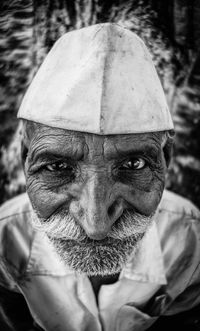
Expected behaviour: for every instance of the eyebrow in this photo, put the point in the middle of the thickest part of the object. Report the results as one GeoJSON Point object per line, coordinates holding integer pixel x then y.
{"type": "Point", "coordinates": [128, 151]}
{"type": "Point", "coordinates": [47, 155]}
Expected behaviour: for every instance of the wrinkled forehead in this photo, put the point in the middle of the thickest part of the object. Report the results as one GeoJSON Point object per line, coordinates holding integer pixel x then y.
{"type": "Point", "coordinates": [79, 144]}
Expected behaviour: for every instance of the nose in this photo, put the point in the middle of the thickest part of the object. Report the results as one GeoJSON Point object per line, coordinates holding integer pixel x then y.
{"type": "Point", "coordinates": [97, 209]}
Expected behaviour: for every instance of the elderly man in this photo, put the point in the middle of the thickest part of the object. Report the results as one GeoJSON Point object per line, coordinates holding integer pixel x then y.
{"type": "Point", "coordinates": [97, 244]}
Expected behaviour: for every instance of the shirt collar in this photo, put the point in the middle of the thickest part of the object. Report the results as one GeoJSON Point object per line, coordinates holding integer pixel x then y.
{"type": "Point", "coordinates": [147, 264]}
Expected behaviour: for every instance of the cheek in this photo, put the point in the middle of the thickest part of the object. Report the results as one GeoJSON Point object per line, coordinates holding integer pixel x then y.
{"type": "Point", "coordinates": [147, 202]}
{"type": "Point", "coordinates": [144, 195]}
{"type": "Point", "coordinates": [45, 199]}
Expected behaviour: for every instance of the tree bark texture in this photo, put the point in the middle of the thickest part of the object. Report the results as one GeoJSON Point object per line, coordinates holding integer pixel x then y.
{"type": "Point", "coordinates": [171, 30]}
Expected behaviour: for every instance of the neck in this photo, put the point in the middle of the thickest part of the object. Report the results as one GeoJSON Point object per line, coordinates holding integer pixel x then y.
{"type": "Point", "coordinates": [98, 281]}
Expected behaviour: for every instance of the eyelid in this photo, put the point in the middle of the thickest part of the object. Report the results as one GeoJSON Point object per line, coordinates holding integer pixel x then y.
{"type": "Point", "coordinates": [131, 159]}
{"type": "Point", "coordinates": [134, 157]}
{"type": "Point", "coordinates": [68, 165]}
{"type": "Point", "coordinates": [40, 165]}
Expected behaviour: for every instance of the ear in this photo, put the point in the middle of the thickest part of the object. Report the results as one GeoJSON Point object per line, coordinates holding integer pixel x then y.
{"type": "Point", "coordinates": [24, 152]}
{"type": "Point", "coordinates": [167, 150]}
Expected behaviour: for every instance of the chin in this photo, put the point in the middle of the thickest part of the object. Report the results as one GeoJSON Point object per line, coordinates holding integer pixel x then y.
{"type": "Point", "coordinates": [97, 258]}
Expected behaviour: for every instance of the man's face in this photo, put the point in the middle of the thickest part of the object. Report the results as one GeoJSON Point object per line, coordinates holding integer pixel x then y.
{"type": "Point", "coordinates": [94, 195]}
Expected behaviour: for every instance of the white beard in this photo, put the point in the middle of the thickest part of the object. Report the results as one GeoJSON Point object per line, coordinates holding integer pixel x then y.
{"type": "Point", "coordinates": [94, 257]}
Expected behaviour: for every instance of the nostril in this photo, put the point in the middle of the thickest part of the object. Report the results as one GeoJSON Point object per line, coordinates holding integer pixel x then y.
{"type": "Point", "coordinates": [111, 210]}
{"type": "Point", "coordinates": [115, 210]}
{"type": "Point", "coordinates": [81, 213]}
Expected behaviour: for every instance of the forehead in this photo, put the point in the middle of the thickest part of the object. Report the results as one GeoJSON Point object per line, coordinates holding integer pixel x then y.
{"type": "Point", "coordinates": [57, 140]}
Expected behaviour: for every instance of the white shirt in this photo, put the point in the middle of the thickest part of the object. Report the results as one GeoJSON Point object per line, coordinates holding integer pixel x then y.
{"type": "Point", "coordinates": [156, 281]}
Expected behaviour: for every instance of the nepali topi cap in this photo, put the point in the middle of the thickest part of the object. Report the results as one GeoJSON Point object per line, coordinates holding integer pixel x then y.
{"type": "Point", "coordinates": [99, 79]}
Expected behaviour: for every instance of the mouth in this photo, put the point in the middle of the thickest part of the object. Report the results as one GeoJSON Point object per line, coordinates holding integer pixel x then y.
{"type": "Point", "coordinates": [107, 242]}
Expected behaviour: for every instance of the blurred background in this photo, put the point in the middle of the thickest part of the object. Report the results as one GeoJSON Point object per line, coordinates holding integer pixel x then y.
{"type": "Point", "coordinates": [171, 30]}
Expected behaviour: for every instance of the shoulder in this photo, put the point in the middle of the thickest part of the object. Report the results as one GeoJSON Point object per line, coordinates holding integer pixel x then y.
{"type": "Point", "coordinates": [15, 206]}
{"type": "Point", "coordinates": [178, 219]}
{"type": "Point", "coordinates": [14, 221]}
{"type": "Point", "coordinates": [178, 224]}
{"type": "Point", "coordinates": [14, 214]}
{"type": "Point", "coordinates": [173, 203]}
{"type": "Point", "coordinates": [176, 215]}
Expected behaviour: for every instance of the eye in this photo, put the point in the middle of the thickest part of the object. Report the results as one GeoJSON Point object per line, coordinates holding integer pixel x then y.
{"type": "Point", "coordinates": [133, 164]}
{"type": "Point", "coordinates": [59, 166]}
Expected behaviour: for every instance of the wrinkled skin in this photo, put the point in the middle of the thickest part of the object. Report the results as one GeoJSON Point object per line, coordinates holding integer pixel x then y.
{"type": "Point", "coordinates": [95, 177]}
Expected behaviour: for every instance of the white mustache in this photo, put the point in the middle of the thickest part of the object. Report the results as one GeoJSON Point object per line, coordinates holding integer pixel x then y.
{"type": "Point", "coordinates": [62, 226]}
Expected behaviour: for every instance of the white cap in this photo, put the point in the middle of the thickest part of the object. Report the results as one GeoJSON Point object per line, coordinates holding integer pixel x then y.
{"type": "Point", "coordinates": [98, 79]}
